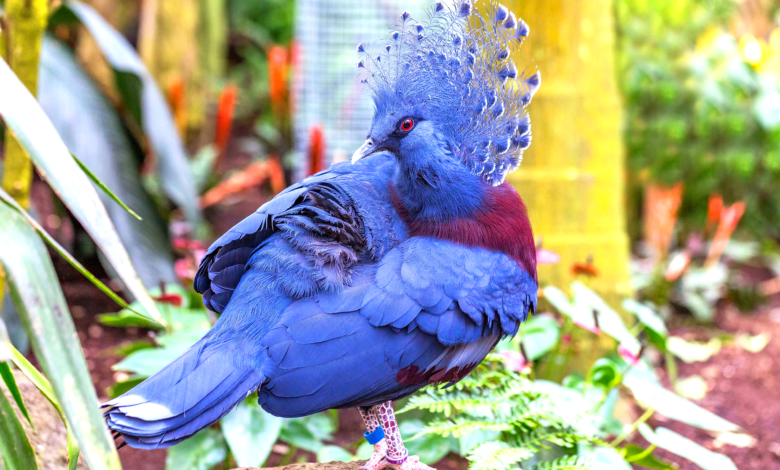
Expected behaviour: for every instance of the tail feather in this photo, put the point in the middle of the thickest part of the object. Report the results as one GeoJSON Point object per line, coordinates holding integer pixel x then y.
{"type": "Point", "coordinates": [194, 391]}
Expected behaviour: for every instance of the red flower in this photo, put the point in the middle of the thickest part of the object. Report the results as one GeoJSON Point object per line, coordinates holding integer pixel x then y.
{"type": "Point", "coordinates": [225, 108]}
{"type": "Point", "coordinates": [172, 299]}
{"type": "Point", "coordinates": [547, 257]}
{"type": "Point", "coordinates": [714, 209]}
{"type": "Point", "coordinates": [278, 68]}
{"type": "Point", "coordinates": [316, 149]}
{"type": "Point", "coordinates": [661, 206]}
{"type": "Point", "coordinates": [728, 222]}
{"type": "Point", "coordinates": [515, 361]}
{"type": "Point", "coordinates": [585, 269]}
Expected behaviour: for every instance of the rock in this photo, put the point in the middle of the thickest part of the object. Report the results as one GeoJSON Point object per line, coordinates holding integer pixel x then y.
{"type": "Point", "coordinates": [314, 466]}
{"type": "Point", "coordinates": [49, 440]}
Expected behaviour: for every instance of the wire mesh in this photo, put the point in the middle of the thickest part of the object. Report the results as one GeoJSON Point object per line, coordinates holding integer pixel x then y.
{"type": "Point", "coordinates": [325, 91]}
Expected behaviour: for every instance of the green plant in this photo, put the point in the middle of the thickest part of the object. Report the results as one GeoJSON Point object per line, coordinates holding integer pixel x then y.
{"type": "Point", "coordinates": [697, 112]}
{"type": "Point", "coordinates": [515, 417]}
{"type": "Point", "coordinates": [36, 292]}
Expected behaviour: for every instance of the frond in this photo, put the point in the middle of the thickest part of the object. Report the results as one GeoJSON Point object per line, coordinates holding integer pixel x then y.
{"type": "Point", "coordinates": [566, 463]}
{"type": "Point", "coordinates": [497, 456]}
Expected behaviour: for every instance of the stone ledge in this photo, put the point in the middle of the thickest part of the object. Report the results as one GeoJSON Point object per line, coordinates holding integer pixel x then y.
{"type": "Point", "coordinates": [313, 466]}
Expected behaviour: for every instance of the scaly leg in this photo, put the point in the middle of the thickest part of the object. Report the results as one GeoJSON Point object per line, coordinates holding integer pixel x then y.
{"type": "Point", "coordinates": [374, 435]}
{"type": "Point", "coordinates": [397, 455]}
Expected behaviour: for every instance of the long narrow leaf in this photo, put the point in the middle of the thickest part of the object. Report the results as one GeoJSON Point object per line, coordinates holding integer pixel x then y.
{"type": "Point", "coordinates": [10, 383]}
{"type": "Point", "coordinates": [44, 386]}
{"type": "Point", "coordinates": [148, 105]}
{"type": "Point", "coordinates": [38, 297]}
{"type": "Point", "coordinates": [7, 199]}
{"type": "Point", "coordinates": [35, 133]}
{"type": "Point", "coordinates": [105, 188]}
{"type": "Point", "coordinates": [15, 448]}
{"type": "Point", "coordinates": [92, 130]}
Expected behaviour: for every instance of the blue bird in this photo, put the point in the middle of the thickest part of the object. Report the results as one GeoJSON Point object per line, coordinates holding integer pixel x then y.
{"type": "Point", "coordinates": [370, 280]}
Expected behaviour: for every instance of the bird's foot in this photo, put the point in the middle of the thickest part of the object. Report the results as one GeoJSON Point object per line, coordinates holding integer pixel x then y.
{"type": "Point", "coordinates": [377, 460]}
{"type": "Point", "coordinates": [380, 462]}
{"type": "Point", "coordinates": [413, 463]}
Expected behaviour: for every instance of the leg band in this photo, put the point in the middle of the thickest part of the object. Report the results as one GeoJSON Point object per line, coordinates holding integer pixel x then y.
{"type": "Point", "coordinates": [375, 436]}
{"type": "Point", "coordinates": [399, 460]}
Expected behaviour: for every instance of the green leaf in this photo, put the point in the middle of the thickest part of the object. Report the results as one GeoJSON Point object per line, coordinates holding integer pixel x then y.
{"type": "Point", "coordinates": [539, 336]}
{"type": "Point", "coordinates": [686, 448]}
{"type": "Point", "coordinates": [693, 387]}
{"type": "Point", "coordinates": [308, 433]}
{"type": "Point", "coordinates": [642, 458]}
{"type": "Point", "coordinates": [334, 454]}
{"type": "Point", "coordinates": [15, 448]}
{"type": "Point", "coordinates": [41, 304]}
{"type": "Point", "coordinates": [691, 351]}
{"type": "Point", "coordinates": [104, 188]}
{"type": "Point", "coordinates": [430, 448]}
{"type": "Point", "coordinates": [250, 433]}
{"type": "Point", "coordinates": [147, 362]}
{"type": "Point", "coordinates": [605, 373]}
{"type": "Point", "coordinates": [200, 452]}
{"type": "Point", "coordinates": [10, 383]}
{"type": "Point", "coordinates": [97, 139]}
{"type": "Point", "coordinates": [7, 199]}
{"type": "Point", "coordinates": [27, 121]}
{"type": "Point", "coordinates": [646, 316]}
{"type": "Point", "coordinates": [43, 385]}
{"type": "Point", "coordinates": [147, 103]}
{"type": "Point", "coordinates": [609, 320]}
{"type": "Point", "coordinates": [605, 457]}
{"type": "Point", "coordinates": [673, 406]}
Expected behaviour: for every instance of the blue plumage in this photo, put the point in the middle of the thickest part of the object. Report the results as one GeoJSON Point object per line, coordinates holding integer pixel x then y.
{"type": "Point", "coordinates": [370, 280]}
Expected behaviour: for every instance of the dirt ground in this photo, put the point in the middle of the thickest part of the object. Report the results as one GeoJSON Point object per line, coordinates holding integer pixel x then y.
{"type": "Point", "coordinates": [743, 387]}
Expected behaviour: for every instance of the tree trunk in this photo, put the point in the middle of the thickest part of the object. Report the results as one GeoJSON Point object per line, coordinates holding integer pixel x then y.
{"type": "Point", "coordinates": [184, 42]}
{"type": "Point", "coordinates": [26, 22]}
{"type": "Point", "coordinates": [572, 177]}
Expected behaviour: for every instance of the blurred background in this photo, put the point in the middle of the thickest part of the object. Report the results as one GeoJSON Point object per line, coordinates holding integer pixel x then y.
{"type": "Point", "coordinates": [654, 175]}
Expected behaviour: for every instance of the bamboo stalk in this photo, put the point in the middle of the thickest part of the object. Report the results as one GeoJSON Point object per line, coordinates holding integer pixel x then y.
{"type": "Point", "coordinates": [26, 22]}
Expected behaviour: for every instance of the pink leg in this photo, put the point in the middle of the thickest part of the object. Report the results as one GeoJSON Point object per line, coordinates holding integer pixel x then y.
{"type": "Point", "coordinates": [371, 420]}
{"type": "Point", "coordinates": [397, 455]}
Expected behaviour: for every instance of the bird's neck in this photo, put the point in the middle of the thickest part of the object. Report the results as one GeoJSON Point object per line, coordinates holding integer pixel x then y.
{"type": "Point", "coordinates": [457, 206]}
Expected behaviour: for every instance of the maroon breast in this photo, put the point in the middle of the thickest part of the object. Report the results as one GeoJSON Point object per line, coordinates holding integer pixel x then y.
{"type": "Point", "coordinates": [500, 225]}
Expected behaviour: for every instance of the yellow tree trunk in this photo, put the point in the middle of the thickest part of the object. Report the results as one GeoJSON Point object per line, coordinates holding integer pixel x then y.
{"type": "Point", "coordinates": [184, 43]}
{"type": "Point", "coordinates": [26, 22]}
{"type": "Point", "coordinates": [571, 178]}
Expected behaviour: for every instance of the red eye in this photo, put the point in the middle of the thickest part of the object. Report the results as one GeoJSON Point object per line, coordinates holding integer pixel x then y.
{"type": "Point", "coordinates": [407, 125]}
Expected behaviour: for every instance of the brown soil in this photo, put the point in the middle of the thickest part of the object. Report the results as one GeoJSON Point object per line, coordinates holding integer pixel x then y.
{"type": "Point", "coordinates": [743, 387]}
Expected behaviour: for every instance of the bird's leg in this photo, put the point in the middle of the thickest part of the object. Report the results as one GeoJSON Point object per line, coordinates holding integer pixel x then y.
{"type": "Point", "coordinates": [374, 434]}
{"type": "Point", "coordinates": [397, 455]}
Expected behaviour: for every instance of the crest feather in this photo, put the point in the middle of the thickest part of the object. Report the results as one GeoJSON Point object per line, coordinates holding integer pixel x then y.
{"type": "Point", "coordinates": [457, 65]}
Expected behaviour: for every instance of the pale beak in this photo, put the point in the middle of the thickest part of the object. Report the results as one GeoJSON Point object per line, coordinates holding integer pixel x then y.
{"type": "Point", "coordinates": [368, 147]}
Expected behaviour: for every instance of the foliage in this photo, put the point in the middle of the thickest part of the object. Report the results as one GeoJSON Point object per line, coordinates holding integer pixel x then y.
{"type": "Point", "coordinates": [697, 111]}
{"type": "Point", "coordinates": [541, 424]}
{"type": "Point", "coordinates": [258, 25]}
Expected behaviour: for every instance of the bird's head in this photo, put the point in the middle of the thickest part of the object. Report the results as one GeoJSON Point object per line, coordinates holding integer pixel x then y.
{"type": "Point", "coordinates": [447, 92]}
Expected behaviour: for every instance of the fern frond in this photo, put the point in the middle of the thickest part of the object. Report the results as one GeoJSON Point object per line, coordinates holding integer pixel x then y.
{"type": "Point", "coordinates": [461, 427]}
{"type": "Point", "coordinates": [566, 463]}
{"type": "Point", "coordinates": [497, 456]}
